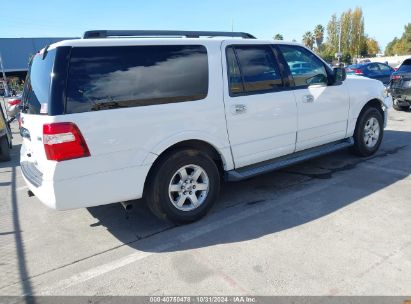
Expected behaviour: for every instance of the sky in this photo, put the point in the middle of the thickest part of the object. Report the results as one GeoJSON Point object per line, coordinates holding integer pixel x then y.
{"type": "Point", "coordinates": [384, 19]}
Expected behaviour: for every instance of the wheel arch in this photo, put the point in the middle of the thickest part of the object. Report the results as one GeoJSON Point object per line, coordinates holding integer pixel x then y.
{"type": "Point", "coordinates": [360, 146]}
{"type": "Point", "coordinates": [373, 103]}
{"type": "Point", "coordinates": [195, 144]}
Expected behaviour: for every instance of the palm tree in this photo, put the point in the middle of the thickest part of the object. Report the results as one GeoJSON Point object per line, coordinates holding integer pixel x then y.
{"type": "Point", "coordinates": [308, 40]}
{"type": "Point", "coordinates": [319, 36]}
{"type": "Point", "coordinates": [278, 37]}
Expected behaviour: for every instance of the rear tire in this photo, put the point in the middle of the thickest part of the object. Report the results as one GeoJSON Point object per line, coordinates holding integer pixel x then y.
{"type": "Point", "coordinates": [183, 186]}
{"type": "Point", "coordinates": [399, 108]}
{"type": "Point", "coordinates": [4, 149]}
{"type": "Point", "coordinates": [368, 133]}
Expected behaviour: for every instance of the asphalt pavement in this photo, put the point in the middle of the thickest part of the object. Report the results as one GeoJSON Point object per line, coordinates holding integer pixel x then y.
{"type": "Point", "coordinates": [335, 225]}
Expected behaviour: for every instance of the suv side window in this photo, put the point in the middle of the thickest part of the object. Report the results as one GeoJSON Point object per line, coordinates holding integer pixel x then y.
{"type": "Point", "coordinates": [252, 69]}
{"type": "Point", "coordinates": [305, 67]}
{"type": "Point", "coordinates": [103, 78]}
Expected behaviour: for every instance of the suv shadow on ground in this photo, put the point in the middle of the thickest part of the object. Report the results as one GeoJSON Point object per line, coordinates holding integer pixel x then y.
{"type": "Point", "coordinates": [10, 168]}
{"type": "Point", "coordinates": [269, 203]}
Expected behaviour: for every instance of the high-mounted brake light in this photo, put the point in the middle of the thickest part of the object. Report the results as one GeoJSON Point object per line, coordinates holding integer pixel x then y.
{"type": "Point", "coordinates": [64, 141]}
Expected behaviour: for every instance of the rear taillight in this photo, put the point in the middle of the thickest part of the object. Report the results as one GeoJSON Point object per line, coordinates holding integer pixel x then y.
{"type": "Point", "coordinates": [395, 77]}
{"type": "Point", "coordinates": [14, 102]}
{"type": "Point", "coordinates": [358, 72]}
{"type": "Point", "coordinates": [63, 141]}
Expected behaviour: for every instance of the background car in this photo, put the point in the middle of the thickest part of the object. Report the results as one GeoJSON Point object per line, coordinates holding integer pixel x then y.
{"type": "Point", "coordinates": [13, 106]}
{"type": "Point", "coordinates": [299, 68]}
{"type": "Point", "coordinates": [400, 86]}
{"type": "Point", "coordinates": [374, 70]}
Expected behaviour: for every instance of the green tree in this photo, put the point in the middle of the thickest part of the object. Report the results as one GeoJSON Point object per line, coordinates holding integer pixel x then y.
{"type": "Point", "coordinates": [357, 32]}
{"type": "Point", "coordinates": [401, 46]}
{"type": "Point", "coordinates": [407, 37]}
{"type": "Point", "coordinates": [333, 30]}
{"type": "Point", "coordinates": [346, 31]}
{"type": "Point", "coordinates": [350, 27]}
{"type": "Point", "coordinates": [389, 49]}
{"type": "Point", "coordinates": [372, 47]}
{"type": "Point", "coordinates": [278, 37]}
{"type": "Point", "coordinates": [308, 40]}
{"type": "Point", "coordinates": [319, 36]}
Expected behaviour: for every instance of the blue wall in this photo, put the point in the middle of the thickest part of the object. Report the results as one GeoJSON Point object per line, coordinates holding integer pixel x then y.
{"type": "Point", "coordinates": [16, 52]}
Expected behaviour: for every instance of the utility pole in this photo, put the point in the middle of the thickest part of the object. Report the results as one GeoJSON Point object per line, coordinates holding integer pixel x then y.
{"type": "Point", "coordinates": [6, 88]}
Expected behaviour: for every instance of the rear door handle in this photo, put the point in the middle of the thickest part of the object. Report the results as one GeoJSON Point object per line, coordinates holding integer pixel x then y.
{"type": "Point", "coordinates": [239, 108]}
{"type": "Point", "coordinates": [308, 98]}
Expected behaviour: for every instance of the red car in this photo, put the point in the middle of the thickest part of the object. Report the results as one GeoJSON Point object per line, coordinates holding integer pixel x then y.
{"type": "Point", "coordinates": [13, 107]}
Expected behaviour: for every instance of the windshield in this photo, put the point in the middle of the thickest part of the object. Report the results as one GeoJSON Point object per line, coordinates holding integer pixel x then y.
{"type": "Point", "coordinates": [37, 88]}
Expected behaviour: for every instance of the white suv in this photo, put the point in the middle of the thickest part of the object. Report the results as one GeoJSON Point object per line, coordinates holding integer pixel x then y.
{"type": "Point", "coordinates": [111, 120]}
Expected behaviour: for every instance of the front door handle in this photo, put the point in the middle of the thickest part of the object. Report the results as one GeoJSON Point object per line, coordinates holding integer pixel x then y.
{"type": "Point", "coordinates": [239, 108]}
{"type": "Point", "coordinates": [308, 98]}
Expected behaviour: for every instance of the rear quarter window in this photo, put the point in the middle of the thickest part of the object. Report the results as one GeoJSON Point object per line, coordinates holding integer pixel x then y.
{"type": "Point", "coordinates": [103, 78]}
{"type": "Point", "coordinates": [405, 66]}
{"type": "Point", "coordinates": [36, 93]}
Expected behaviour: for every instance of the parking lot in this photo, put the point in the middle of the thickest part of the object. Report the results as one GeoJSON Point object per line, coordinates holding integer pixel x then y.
{"type": "Point", "coordinates": [336, 225]}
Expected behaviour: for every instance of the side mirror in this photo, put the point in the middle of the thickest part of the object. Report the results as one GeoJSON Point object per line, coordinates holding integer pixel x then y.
{"type": "Point", "coordinates": [339, 74]}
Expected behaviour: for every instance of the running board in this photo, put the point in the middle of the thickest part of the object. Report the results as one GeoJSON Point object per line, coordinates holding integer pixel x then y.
{"type": "Point", "coordinates": [285, 161]}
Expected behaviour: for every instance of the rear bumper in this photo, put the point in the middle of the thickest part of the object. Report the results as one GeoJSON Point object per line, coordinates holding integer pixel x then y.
{"type": "Point", "coordinates": [403, 103]}
{"type": "Point", "coordinates": [88, 191]}
{"type": "Point", "coordinates": [401, 94]}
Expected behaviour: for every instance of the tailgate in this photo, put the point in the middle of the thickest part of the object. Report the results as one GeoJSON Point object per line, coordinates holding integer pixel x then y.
{"type": "Point", "coordinates": [32, 150]}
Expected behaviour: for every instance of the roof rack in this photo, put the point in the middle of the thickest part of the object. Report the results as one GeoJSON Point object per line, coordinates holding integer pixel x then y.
{"type": "Point", "coordinates": [154, 33]}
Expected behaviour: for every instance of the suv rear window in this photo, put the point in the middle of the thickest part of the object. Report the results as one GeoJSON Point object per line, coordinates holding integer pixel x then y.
{"type": "Point", "coordinates": [103, 78]}
{"type": "Point", "coordinates": [405, 66]}
{"type": "Point", "coordinates": [36, 93]}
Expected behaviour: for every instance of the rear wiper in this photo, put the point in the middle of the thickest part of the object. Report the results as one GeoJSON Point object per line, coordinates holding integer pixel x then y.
{"type": "Point", "coordinates": [45, 51]}
{"type": "Point", "coordinates": [106, 106]}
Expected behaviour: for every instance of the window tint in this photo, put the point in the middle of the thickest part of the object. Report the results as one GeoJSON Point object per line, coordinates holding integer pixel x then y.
{"type": "Point", "coordinates": [305, 67]}
{"type": "Point", "coordinates": [37, 88]}
{"type": "Point", "coordinates": [258, 68]}
{"type": "Point", "coordinates": [234, 76]}
{"type": "Point", "coordinates": [127, 76]}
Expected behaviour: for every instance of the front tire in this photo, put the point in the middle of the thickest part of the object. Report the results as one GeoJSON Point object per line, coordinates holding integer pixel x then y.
{"type": "Point", "coordinates": [183, 186]}
{"type": "Point", "coordinates": [368, 132]}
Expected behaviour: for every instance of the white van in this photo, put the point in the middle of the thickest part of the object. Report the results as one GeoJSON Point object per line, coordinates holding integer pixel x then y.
{"type": "Point", "coordinates": [112, 119]}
